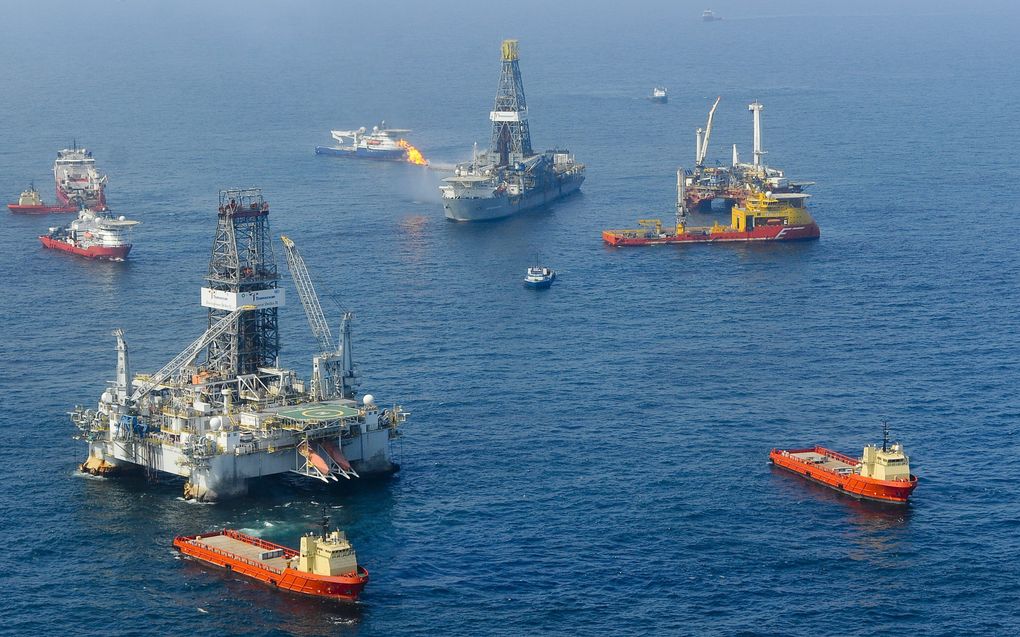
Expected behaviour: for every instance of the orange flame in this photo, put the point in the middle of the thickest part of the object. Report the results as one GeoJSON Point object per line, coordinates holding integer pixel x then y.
{"type": "Point", "coordinates": [413, 154]}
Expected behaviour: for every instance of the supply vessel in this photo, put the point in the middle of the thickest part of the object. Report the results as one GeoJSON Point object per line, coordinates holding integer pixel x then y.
{"type": "Point", "coordinates": [93, 235]}
{"type": "Point", "coordinates": [324, 566]}
{"type": "Point", "coordinates": [30, 202]}
{"type": "Point", "coordinates": [78, 181]}
{"type": "Point", "coordinates": [224, 410]}
{"type": "Point", "coordinates": [509, 177]}
{"type": "Point", "coordinates": [381, 143]}
{"type": "Point", "coordinates": [764, 216]}
{"type": "Point", "coordinates": [880, 474]}
{"type": "Point", "coordinates": [659, 95]}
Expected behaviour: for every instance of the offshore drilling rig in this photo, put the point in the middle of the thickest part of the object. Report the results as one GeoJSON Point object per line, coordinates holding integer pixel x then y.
{"type": "Point", "coordinates": [223, 411]}
{"type": "Point", "coordinates": [736, 182]}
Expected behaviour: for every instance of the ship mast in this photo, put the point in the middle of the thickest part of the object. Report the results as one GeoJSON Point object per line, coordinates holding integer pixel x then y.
{"type": "Point", "coordinates": [511, 138]}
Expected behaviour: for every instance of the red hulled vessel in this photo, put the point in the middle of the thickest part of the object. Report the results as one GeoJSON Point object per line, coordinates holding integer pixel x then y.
{"type": "Point", "coordinates": [325, 566]}
{"type": "Point", "coordinates": [92, 235]}
{"type": "Point", "coordinates": [77, 180]}
{"type": "Point", "coordinates": [30, 202]}
{"type": "Point", "coordinates": [881, 473]}
{"type": "Point", "coordinates": [764, 217]}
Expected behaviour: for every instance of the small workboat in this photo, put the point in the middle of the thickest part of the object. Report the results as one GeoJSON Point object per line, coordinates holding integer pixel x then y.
{"type": "Point", "coordinates": [659, 95]}
{"type": "Point", "coordinates": [325, 566]}
{"type": "Point", "coordinates": [539, 277]}
{"type": "Point", "coordinates": [880, 474]}
{"type": "Point", "coordinates": [30, 202]}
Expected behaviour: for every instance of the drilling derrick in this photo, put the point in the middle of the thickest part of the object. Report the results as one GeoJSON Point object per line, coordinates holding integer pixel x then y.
{"type": "Point", "coordinates": [242, 271]}
{"type": "Point", "coordinates": [511, 139]}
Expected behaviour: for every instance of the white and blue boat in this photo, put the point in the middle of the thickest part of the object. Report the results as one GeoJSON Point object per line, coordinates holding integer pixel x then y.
{"type": "Point", "coordinates": [381, 143]}
{"type": "Point", "coordinates": [539, 277]}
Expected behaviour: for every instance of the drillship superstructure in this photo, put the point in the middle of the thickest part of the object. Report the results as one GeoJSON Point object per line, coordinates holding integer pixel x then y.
{"type": "Point", "coordinates": [223, 411]}
{"type": "Point", "coordinates": [509, 177]}
{"type": "Point", "coordinates": [78, 182]}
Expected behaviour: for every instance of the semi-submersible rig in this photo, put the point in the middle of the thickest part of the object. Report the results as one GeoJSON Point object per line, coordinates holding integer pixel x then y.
{"type": "Point", "coordinates": [223, 411]}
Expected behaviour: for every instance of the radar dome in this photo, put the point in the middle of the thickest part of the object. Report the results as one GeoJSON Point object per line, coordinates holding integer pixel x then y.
{"type": "Point", "coordinates": [215, 423]}
{"type": "Point", "coordinates": [768, 193]}
{"type": "Point", "coordinates": [106, 397]}
{"type": "Point", "coordinates": [368, 400]}
{"type": "Point", "coordinates": [122, 218]}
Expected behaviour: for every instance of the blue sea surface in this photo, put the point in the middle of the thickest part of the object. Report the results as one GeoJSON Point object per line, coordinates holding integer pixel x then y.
{"type": "Point", "coordinates": [587, 460]}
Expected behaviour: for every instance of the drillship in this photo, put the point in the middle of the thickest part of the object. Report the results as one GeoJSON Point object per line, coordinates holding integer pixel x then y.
{"type": "Point", "coordinates": [78, 182]}
{"type": "Point", "coordinates": [509, 177]}
{"type": "Point", "coordinates": [223, 411]}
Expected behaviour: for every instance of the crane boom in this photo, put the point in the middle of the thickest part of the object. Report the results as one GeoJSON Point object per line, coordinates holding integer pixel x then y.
{"type": "Point", "coordinates": [703, 149]}
{"type": "Point", "coordinates": [185, 357]}
{"type": "Point", "coordinates": [309, 299]}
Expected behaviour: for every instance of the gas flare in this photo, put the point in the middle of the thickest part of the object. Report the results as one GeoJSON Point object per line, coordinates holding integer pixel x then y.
{"type": "Point", "coordinates": [413, 154]}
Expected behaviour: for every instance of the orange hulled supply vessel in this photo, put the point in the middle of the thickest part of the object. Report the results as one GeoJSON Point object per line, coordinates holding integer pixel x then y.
{"type": "Point", "coordinates": [881, 473]}
{"type": "Point", "coordinates": [765, 216]}
{"type": "Point", "coordinates": [325, 566]}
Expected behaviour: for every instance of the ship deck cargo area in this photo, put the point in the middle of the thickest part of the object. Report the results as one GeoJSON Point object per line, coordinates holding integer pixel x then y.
{"type": "Point", "coordinates": [830, 461]}
{"type": "Point", "coordinates": [256, 554]}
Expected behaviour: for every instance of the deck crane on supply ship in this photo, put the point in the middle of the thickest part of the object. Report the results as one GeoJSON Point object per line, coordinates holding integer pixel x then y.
{"type": "Point", "coordinates": [236, 414]}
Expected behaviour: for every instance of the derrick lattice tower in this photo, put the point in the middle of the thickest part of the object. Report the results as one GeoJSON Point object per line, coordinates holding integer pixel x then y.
{"type": "Point", "coordinates": [511, 139]}
{"type": "Point", "coordinates": [242, 271]}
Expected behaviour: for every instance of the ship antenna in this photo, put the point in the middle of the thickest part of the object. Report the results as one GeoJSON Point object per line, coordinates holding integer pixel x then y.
{"type": "Point", "coordinates": [325, 522]}
{"type": "Point", "coordinates": [885, 435]}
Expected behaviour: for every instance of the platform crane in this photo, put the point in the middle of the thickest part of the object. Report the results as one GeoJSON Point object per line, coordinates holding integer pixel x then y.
{"type": "Point", "coordinates": [702, 145]}
{"type": "Point", "coordinates": [178, 363]}
{"type": "Point", "coordinates": [333, 368]}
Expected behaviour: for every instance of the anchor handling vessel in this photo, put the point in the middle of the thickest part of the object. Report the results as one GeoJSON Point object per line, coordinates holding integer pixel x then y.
{"type": "Point", "coordinates": [880, 474]}
{"type": "Point", "coordinates": [78, 181]}
{"type": "Point", "coordinates": [509, 177]}
{"type": "Point", "coordinates": [224, 411]}
{"type": "Point", "coordinates": [324, 566]}
{"type": "Point", "coordinates": [765, 216]}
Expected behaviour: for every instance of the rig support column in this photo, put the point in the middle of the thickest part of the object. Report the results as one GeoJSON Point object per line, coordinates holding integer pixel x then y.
{"type": "Point", "coordinates": [755, 108]}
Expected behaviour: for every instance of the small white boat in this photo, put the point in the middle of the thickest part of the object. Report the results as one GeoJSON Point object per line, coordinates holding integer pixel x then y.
{"type": "Point", "coordinates": [539, 277]}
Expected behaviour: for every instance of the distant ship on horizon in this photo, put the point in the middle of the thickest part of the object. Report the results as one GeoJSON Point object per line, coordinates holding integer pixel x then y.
{"type": "Point", "coordinates": [709, 16]}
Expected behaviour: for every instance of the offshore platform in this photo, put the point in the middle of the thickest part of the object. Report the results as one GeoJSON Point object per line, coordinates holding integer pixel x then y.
{"type": "Point", "coordinates": [223, 411]}
{"type": "Point", "coordinates": [738, 181]}
{"type": "Point", "coordinates": [510, 176]}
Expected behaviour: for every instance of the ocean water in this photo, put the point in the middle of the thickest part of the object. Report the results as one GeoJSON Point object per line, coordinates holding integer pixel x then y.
{"type": "Point", "coordinates": [587, 460]}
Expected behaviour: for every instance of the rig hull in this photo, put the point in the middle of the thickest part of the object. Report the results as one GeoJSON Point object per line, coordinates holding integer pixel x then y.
{"type": "Point", "coordinates": [114, 253]}
{"type": "Point", "coordinates": [493, 208]}
{"type": "Point", "coordinates": [850, 483]}
{"type": "Point", "coordinates": [761, 233]}
{"type": "Point", "coordinates": [238, 553]}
